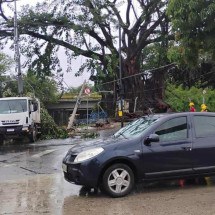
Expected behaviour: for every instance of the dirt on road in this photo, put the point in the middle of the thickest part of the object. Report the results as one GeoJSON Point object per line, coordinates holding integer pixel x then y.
{"type": "Point", "coordinates": [52, 195]}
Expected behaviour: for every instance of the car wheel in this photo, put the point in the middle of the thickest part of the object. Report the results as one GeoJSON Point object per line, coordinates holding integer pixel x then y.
{"type": "Point", "coordinates": [118, 180]}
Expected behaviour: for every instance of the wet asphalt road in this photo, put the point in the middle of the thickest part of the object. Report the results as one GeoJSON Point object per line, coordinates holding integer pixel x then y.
{"type": "Point", "coordinates": [31, 182]}
{"type": "Point", "coordinates": [44, 157]}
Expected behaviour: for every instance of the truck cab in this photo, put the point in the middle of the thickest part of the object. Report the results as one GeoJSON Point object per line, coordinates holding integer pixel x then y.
{"type": "Point", "coordinates": [19, 118]}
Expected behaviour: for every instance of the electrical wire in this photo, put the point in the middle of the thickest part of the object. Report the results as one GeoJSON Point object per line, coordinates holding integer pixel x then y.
{"type": "Point", "coordinates": [141, 73]}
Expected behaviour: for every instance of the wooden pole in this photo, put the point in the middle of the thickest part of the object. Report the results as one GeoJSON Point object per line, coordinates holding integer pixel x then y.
{"type": "Point", "coordinates": [72, 117]}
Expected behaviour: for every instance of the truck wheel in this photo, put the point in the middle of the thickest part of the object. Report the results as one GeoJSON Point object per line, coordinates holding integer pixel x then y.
{"type": "Point", "coordinates": [118, 180]}
{"type": "Point", "coordinates": [33, 135]}
{"type": "Point", "coordinates": [1, 140]}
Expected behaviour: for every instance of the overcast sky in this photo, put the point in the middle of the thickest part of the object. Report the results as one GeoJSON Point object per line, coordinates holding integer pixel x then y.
{"type": "Point", "coordinates": [69, 79]}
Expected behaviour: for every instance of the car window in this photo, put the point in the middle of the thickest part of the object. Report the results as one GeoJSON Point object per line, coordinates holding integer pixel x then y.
{"type": "Point", "coordinates": [204, 126]}
{"type": "Point", "coordinates": [173, 130]}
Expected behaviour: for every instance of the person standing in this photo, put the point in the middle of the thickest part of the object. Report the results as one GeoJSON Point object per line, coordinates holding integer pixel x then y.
{"type": "Point", "coordinates": [192, 107]}
{"type": "Point", "coordinates": [203, 108]}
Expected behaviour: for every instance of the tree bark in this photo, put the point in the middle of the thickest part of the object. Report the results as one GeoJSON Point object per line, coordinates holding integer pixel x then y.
{"type": "Point", "coordinates": [148, 92]}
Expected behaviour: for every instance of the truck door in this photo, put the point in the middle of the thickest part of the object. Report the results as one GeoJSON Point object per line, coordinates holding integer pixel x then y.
{"type": "Point", "coordinates": [171, 155]}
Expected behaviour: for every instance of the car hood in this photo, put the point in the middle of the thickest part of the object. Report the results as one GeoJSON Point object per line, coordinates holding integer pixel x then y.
{"type": "Point", "coordinates": [95, 143]}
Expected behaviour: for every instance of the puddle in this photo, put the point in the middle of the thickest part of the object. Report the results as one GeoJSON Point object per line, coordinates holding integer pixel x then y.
{"type": "Point", "coordinates": [35, 195]}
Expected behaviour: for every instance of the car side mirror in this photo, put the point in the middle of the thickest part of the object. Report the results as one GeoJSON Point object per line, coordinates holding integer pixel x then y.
{"type": "Point", "coordinates": [151, 138]}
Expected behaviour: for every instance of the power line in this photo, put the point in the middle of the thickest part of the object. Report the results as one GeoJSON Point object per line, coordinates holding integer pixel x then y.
{"type": "Point", "coordinates": [152, 70]}
{"type": "Point", "coordinates": [141, 73]}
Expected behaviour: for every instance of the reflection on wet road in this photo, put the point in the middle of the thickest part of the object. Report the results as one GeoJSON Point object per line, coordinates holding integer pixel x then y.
{"type": "Point", "coordinates": [35, 195]}
{"type": "Point", "coordinates": [50, 194]}
{"type": "Point", "coordinates": [32, 183]}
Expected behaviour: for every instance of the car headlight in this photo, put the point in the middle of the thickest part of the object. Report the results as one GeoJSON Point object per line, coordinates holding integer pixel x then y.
{"type": "Point", "coordinates": [85, 155]}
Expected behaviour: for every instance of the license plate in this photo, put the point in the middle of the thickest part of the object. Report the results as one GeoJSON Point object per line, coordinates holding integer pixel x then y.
{"type": "Point", "coordinates": [64, 167]}
{"type": "Point", "coordinates": [10, 129]}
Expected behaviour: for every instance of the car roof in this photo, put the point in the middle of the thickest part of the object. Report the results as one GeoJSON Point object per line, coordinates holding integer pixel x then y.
{"type": "Point", "coordinates": [161, 115]}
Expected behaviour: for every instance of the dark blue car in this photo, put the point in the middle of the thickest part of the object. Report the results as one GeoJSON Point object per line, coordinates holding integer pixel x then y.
{"type": "Point", "coordinates": [165, 146]}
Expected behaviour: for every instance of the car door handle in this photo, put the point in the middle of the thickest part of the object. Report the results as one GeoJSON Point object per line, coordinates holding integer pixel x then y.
{"type": "Point", "coordinates": [187, 148]}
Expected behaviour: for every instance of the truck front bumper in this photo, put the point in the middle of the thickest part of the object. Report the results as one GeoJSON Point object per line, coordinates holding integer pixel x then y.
{"type": "Point", "coordinates": [13, 131]}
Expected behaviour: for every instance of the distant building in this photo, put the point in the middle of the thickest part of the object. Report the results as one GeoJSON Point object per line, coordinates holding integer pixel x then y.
{"type": "Point", "coordinates": [61, 110]}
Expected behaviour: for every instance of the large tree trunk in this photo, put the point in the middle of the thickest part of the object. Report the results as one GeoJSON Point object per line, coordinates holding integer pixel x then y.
{"type": "Point", "coordinates": [148, 93]}
{"type": "Point", "coordinates": [133, 86]}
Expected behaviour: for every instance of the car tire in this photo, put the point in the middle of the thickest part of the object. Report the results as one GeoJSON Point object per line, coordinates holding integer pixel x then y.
{"type": "Point", "coordinates": [118, 180]}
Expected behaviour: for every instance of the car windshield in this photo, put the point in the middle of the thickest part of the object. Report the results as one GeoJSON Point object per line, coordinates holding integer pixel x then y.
{"type": "Point", "coordinates": [13, 106]}
{"type": "Point", "coordinates": [137, 127]}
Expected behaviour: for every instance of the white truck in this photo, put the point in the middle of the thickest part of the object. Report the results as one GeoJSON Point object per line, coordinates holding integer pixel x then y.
{"type": "Point", "coordinates": [19, 118]}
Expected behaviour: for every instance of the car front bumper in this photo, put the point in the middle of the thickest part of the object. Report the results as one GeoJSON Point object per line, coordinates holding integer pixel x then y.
{"type": "Point", "coordinates": [86, 173]}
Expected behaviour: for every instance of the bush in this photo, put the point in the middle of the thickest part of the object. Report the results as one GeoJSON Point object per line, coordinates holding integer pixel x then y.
{"type": "Point", "coordinates": [49, 129]}
{"type": "Point", "coordinates": [178, 98]}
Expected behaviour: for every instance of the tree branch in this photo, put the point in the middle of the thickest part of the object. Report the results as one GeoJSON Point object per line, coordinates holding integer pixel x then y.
{"type": "Point", "coordinates": [88, 53]}
{"type": "Point", "coordinates": [1, 10]}
{"type": "Point", "coordinates": [101, 25]}
{"type": "Point", "coordinates": [128, 13]}
{"type": "Point", "coordinates": [143, 38]}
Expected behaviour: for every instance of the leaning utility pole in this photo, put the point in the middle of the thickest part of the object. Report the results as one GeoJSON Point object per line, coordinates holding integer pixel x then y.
{"type": "Point", "coordinates": [72, 117]}
{"type": "Point", "coordinates": [17, 54]}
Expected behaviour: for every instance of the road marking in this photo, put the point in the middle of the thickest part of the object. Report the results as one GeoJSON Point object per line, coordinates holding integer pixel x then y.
{"type": "Point", "coordinates": [7, 165]}
{"type": "Point", "coordinates": [43, 153]}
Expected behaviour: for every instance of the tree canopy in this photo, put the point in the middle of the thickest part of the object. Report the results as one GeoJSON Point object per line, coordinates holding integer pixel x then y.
{"type": "Point", "coordinates": [90, 28]}
{"type": "Point", "coordinates": [194, 46]}
{"type": "Point", "coordinates": [193, 24]}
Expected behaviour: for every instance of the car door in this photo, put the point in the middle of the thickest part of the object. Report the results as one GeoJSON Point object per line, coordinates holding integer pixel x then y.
{"type": "Point", "coordinates": [171, 155]}
{"type": "Point", "coordinates": [204, 143]}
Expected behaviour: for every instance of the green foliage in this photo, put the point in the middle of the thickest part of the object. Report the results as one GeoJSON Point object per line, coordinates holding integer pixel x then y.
{"type": "Point", "coordinates": [179, 97]}
{"type": "Point", "coordinates": [193, 24]}
{"type": "Point", "coordinates": [5, 66]}
{"type": "Point", "coordinates": [176, 54]}
{"type": "Point", "coordinates": [5, 63]}
{"type": "Point", "coordinates": [154, 56]}
{"type": "Point", "coordinates": [49, 129]}
{"type": "Point", "coordinates": [43, 88]}
{"type": "Point", "coordinates": [89, 29]}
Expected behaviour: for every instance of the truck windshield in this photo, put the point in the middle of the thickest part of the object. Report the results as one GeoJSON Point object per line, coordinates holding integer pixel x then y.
{"type": "Point", "coordinates": [13, 106]}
